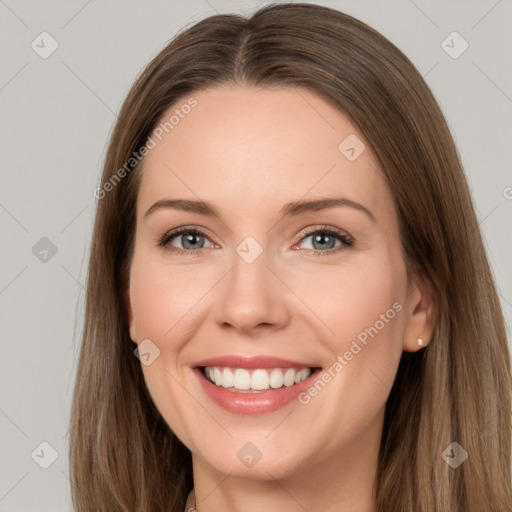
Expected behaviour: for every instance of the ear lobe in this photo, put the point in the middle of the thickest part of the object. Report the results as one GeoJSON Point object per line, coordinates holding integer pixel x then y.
{"type": "Point", "coordinates": [420, 311]}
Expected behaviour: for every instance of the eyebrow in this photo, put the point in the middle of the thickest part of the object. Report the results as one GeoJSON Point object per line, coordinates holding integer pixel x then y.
{"type": "Point", "coordinates": [292, 209]}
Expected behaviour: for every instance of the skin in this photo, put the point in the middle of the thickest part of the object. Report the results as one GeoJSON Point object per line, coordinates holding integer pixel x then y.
{"type": "Point", "coordinates": [249, 151]}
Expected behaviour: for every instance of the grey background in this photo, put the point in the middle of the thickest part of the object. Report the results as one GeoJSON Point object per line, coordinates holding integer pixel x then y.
{"type": "Point", "coordinates": [56, 116]}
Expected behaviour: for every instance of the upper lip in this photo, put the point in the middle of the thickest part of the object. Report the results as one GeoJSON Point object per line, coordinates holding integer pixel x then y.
{"type": "Point", "coordinates": [239, 361]}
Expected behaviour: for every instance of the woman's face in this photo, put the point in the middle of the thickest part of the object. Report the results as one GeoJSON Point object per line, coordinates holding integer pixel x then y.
{"type": "Point", "coordinates": [262, 278]}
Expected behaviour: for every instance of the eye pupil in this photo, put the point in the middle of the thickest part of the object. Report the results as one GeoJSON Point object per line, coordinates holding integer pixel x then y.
{"type": "Point", "coordinates": [319, 238]}
{"type": "Point", "coordinates": [190, 239]}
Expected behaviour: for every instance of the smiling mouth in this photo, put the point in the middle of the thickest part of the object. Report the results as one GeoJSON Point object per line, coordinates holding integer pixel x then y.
{"type": "Point", "coordinates": [258, 380]}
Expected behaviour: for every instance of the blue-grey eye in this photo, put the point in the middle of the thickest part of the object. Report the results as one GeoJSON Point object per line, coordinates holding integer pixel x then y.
{"type": "Point", "coordinates": [322, 240]}
{"type": "Point", "coordinates": [189, 240]}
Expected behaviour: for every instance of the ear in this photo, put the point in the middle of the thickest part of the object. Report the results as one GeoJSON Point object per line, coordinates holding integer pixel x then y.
{"type": "Point", "coordinates": [420, 313]}
{"type": "Point", "coordinates": [129, 311]}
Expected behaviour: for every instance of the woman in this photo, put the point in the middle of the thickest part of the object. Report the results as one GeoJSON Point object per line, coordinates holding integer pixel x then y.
{"type": "Point", "coordinates": [289, 303]}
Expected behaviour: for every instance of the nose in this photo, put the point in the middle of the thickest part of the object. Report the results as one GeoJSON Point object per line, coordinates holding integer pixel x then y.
{"type": "Point", "coordinates": [251, 297]}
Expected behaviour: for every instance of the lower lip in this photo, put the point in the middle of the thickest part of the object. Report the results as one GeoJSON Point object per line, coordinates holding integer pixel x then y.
{"type": "Point", "coordinates": [253, 403]}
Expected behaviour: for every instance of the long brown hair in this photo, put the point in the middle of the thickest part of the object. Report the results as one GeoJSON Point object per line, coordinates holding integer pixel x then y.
{"type": "Point", "coordinates": [123, 456]}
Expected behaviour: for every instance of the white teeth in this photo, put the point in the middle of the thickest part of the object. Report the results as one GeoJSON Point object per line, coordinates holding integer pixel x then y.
{"type": "Point", "coordinates": [227, 378]}
{"type": "Point", "coordinates": [302, 375]}
{"type": "Point", "coordinates": [289, 377]}
{"type": "Point", "coordinates": [259, 380]}
{"type": "Point", "coordinates": [217, 375]}
{"type": "Point", "coordinates": [276, 378]}
{"type": "Point", "coordinates": [241, 379]}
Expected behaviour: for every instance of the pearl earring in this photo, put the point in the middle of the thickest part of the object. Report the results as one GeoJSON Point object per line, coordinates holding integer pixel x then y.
{"type": "Point", "coordinates": [420, 341]}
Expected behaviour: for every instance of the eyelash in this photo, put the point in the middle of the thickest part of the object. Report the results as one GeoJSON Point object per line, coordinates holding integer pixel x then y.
{"type": "Point", "coordinates": [347, 240]}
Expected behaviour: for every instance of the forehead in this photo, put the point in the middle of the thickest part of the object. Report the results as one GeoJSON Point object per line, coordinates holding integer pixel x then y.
{"type": "Point", "coordinates": [243, 147]}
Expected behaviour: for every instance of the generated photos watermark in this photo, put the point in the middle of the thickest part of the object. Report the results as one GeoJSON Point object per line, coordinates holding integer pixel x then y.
{"type": "Point", "coordinates": [355, 348]}
{"type": "Point", "coordinates": [152, 141]}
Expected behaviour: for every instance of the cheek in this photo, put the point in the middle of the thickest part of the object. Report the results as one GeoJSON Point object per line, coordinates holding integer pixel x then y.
{"type": "Point", "coordinates": [150, 298]}
{"type": "Point", "coordinates": [354, 296]}
{"type": "Point", "coordinates": [162, 301]}
{"type": "Point", "coordinates": [362, 308]}
{"type": "Point", "coordinates": [161, 297]}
